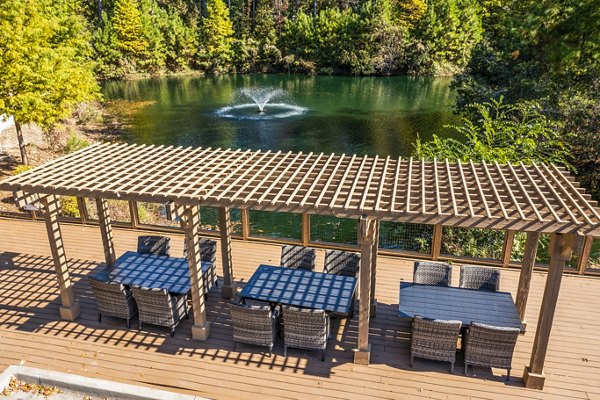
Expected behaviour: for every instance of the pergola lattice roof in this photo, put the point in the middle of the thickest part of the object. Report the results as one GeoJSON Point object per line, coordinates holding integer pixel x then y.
{"type": "Point", "coordinates": [536, 197]}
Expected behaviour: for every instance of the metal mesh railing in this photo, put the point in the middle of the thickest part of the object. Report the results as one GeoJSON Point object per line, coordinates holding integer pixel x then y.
{"type": "Point", "coordinates": [118, 209]}
{"type": "Point", "coordinates": [155, 214]}
{"type": "Point", "coordinates": [275, 224]}
{"type": "Point", "coordinates": [209, 219]}
{"type": "Point", "coordinates": [594, 258]}
{"type": "Point", "coordinates": [404, 236]}
{"type": "Point", "coordinates": [329, 229]}
{"type": "Point", "coordinates": [474, 243]}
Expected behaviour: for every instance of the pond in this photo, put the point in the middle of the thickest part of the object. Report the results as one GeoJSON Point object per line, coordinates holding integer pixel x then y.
{"type": "Point", "coordinates": [362, 115]}
{"type": "Point", "coordinates": [372, 115]}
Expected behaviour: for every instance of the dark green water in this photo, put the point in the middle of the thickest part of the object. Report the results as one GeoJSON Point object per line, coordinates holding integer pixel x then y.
{"type": "Point", "coordinates": [374, 115]}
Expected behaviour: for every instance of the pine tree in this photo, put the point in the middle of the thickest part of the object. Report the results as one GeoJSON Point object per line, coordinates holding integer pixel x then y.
{"type": "Point", "coordinates": [127, 23]}
{"type": "Point", "coordinates": [45, 68]}
{"type": "Point", "coordinates": [217, 36]}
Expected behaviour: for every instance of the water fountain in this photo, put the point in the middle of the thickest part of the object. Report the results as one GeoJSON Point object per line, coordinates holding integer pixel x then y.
{"type": "Point", "coordinates": [261, 107]}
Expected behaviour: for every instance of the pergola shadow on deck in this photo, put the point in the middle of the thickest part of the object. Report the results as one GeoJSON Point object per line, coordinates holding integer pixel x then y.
{"type": "Point", "coordinates": [31, 333]}
{"type": "Point", "coordinates": [535, 199]}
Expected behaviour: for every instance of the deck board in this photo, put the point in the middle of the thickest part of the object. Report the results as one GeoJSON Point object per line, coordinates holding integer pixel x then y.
{"type": "Point", "coordinates": [31, 333]}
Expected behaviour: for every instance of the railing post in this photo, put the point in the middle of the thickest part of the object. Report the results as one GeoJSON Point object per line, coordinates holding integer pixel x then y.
{"type": "Point", "coordinates": [305, 229]}
{"type": "Point", "coordinates": [245, 223]}
{"type": "Point", "coordinates": [436, 242]}
{"type": "Point", "coordinates": [584, 256]}
{"type": "Point", "coordinates": [509, 240]}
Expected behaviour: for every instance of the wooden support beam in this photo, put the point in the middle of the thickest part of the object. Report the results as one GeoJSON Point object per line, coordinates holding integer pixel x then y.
{"type": "Point", "coordinates": [134, 214]}
{"type": "Point", "coordinates": [69, 309]}
{"type": "Point", "coordinates": [533, 375]}
{"type": "Point", "coordinates": [374, 252]}
{"type": "Point", "coordinates": [106, 231]}
{"type": "Point", "coordinates": [436, 242]}
{"type": "Point", "coordinates": [245, 217]}
{"type": "Point", "coordinates": [228, 288]}
{"type": "Point", "coordinates": [191, 223]}
{"type": "Point", "coordinates": [366, 236]}
{"type": "Point", "coordinates": [584, 256]}
{"type": "Point", "coordinates": [531, 247]}
{"type": "Point", "coordinates": [83, 212]}
{"type": "Point", "coordinates": [509, 240]}
{"type": "Point", "coordinates": [305, 229]}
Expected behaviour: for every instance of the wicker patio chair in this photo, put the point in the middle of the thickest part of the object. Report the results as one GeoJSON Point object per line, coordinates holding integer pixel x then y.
{"type": "Point", "coordinates": [208, 253]}
{"type": "Point", "coordinates": [490, 346]}
{"type": "Point", "coordinates": [157, 245]}
{"type": "Point", "coordinates": [113, 299]}
{"type": "Point", "coordinates": [256, 325]}
{"type": "Point", "coordinates": [432, 273]}
{"type": "Point", "coordinates": [298, 257]}
{"type": "Point", "coordinates": [158, 307]}
{"type": "Point", "coordinates": [341, 263]}
{"type": "Point", "coordinates": [481, 278]}
{"type": "Point", "coordinates": [434, 340]}
{"type": "Point", "coordinates": [305, 328]}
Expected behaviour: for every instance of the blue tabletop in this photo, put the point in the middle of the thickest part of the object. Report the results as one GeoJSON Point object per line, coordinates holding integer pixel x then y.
{"type": "Point", "coordinates": [151, 271]}
{"type": "Point", "coordinates": [453, 303]}
{"type": "Point", "coordinates": [301, 288]}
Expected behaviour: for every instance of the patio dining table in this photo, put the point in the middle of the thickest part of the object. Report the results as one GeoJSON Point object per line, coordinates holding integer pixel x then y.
{"type": "Point", "coordinates": [453, 303]}
{"type": "Point", "coordinates": [301, 288]}
{"type": "Point", "coordinates": [151, 271]}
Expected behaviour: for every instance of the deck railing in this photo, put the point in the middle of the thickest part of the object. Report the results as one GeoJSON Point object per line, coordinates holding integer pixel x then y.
{"type": "Point", "coordinates": [434, 242]}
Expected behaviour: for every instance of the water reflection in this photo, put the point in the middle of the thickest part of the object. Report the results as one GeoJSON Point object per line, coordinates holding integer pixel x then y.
{"type": "Point", "coordinates": [344, 114]}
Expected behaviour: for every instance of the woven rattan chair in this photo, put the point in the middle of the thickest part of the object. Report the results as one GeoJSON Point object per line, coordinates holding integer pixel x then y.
{"type": "Point", "coordinates": [481, 278]}
{"type": "Point", "coordinates": [490, 346]}
{"type": "Point", "coordinates": [305, 328]}
{"type": "Point", "coordinates": [432, 273]}
{"type": "Point", "coordinates": [158, 307]}
{"type": "Point", "coordinates": [208, 253]}
{"type": "Point", "coordinates": [298, 257]}
{"type": "Point", "coordinates": [434, 340]}
{"type": "Point", "coordinates": [113, 299]}
{"type": "Point", "coordinates": [157, 245]}
{"type": "Point", "coordinates": [256, 325]}
{"type": "Point", "coordinates": [341, 263]}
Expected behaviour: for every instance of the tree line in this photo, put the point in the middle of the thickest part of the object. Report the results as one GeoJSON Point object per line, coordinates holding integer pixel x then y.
{"type": "Point", "coordinates": [374, 37]}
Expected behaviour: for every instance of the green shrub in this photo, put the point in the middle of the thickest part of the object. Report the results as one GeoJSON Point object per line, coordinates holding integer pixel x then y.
{"type": "Point", "coordinates": [75, 143]}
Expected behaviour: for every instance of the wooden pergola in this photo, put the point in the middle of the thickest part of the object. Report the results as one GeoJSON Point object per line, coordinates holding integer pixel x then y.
{"type": "Point", "coordinates": [535, 198]}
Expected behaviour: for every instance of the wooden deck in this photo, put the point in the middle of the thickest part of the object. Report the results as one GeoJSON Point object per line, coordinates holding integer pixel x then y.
{"type": "Point", "coordinates": [31, 333]}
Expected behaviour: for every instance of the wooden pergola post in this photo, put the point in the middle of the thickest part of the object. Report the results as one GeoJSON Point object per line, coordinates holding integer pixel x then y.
{"type": "Point", "coordinates": [106, 231]}
{"type": "Point", "coordinates": [436, 242]}
{"type": "Point", "coordinates": [191, 223]}
{"type": "Point", "coordinates": [531, 246]}
{"type": "Point", "coordinates": [374, 252]}
{"type": "Point", "coordinates": [228, 288]}
{"type": "Point", "coordinates": [366, 235]}
{"type": "Point", "coordinates": [584, 256]}
{"type": "Point", "coordinates": [70, 309]}
{"type": "Point", "coordinates": [562, 250]}
{"type": "Point", "coordinates": [509, 240]}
